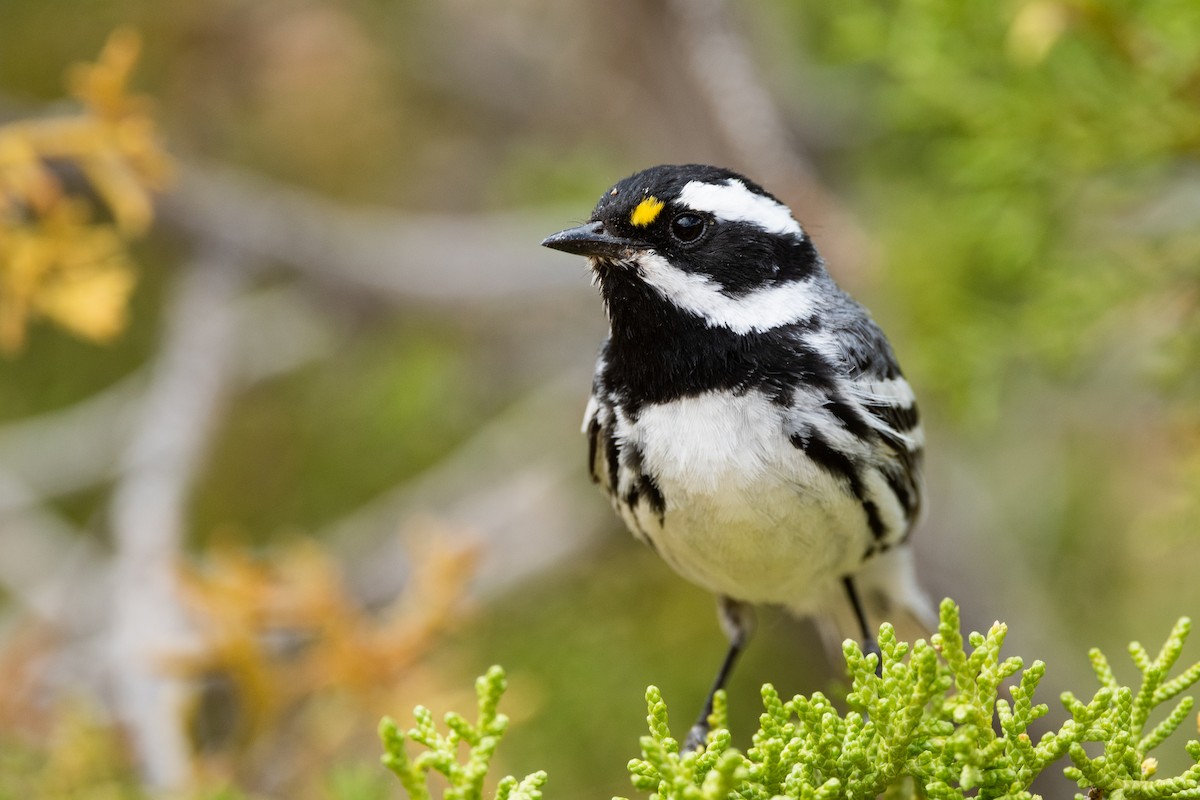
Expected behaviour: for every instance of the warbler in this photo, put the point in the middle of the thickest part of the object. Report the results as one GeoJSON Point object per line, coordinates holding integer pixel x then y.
{"type": "Point", "coordinates": [748, 418]}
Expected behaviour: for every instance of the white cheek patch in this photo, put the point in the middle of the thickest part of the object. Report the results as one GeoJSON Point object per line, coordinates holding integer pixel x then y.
{"type": "Point", "coordinates": [756, 311]}
{"type": "Point", "coordinates": [734, 202]}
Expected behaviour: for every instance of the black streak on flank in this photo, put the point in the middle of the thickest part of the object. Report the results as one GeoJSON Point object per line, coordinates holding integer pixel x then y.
{"type": "Point", "coordinates": [641, 487]}
{"type": "Point", "coordinates": [830, 459]}
{"type": "Point", "coordinates": [612, 457]}
{"type": "Point", "coordinates": [901, 486]}
{"type": "Point", "coordinates": [901, 419]}
{"type": "Point", "coordinates": [876, 548]}
{"type": "Point", "coordinates": [878, 531]}
{"type": "Point", "coordinates": [644, 486]}
{"type": "Point", "coordinates": [838, 464]}
{"type": "Point", "coordinates": [909, 461]}
{"type": "Point", "coordinates": [851, 420]}
{"type": "Point", "coordinates": [593, 437]}
{"type": "Point", "coordinates": [654, 496]}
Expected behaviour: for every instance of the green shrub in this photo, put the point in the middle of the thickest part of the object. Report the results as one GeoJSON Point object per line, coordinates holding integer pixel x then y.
{"type": "Point", "coordinates": [931, 724]}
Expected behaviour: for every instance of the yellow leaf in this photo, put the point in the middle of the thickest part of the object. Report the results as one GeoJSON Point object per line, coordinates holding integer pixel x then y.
{"type": "Point", "coordinates": [55, 261]}
{"type": "Point", "coordinates": [102, 85]}
{"type": "Point", "coordinates": [91, 300]}
{"type": "Point", "coordinates": [25, 258]}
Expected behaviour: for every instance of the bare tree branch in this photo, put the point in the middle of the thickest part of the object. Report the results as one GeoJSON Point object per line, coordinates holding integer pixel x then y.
{"type": "Point", "coordinates": [444, 258]}
{"type": "Point", "coordinates": [44, 562]}
{"type": "Point", "coordinates": [73, 448]}
{"type": "Point", "coordinates": [189, 378]}
{"type": "Point", "coordinates": [518, 488]}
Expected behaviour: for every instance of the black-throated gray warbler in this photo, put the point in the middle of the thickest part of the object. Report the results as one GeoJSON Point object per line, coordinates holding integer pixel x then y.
{"type": "Point", "coordinates": [748, 418]}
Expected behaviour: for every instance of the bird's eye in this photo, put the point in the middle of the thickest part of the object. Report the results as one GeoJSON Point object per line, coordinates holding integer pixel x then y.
{"type": "Point", "coordinates": [687, 227]}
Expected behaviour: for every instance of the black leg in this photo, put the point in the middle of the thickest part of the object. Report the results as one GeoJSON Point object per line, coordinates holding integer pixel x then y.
{"type": "Point", "coordinates": [737, 620]}
{"type": "Point", "coordinates": [870, 643]}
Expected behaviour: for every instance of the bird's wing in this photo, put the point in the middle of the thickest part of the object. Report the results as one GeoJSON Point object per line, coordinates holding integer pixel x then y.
{"type": "Point", "coordinates": [874, 385]}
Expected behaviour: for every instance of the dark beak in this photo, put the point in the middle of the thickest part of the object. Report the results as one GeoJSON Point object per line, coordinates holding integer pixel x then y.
{"type": "Point", "coordinates": [591, 239]}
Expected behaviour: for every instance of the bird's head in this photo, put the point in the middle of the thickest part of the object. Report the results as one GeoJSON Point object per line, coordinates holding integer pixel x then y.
{"type": "Point", "coordinates": [712, 244]}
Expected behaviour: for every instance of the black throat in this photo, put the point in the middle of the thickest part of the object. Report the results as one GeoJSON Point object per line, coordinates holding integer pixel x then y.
{"type": "Point", "coordinates": [658, 352]}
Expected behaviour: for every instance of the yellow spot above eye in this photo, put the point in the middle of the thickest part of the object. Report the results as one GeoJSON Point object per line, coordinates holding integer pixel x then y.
{"type": "Point", "coordinates": [646, 212]}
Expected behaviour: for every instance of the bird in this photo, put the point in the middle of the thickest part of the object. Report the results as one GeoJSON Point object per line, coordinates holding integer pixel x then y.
{"type": "Point", "coordinates": [748, 419]}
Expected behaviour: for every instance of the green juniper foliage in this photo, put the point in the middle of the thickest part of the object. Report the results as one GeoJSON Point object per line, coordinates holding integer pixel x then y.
{"type": "Point", "coordinates": [441, 754]}
{"type": "Point", "coordinates": [932, 724]}
{"type": "Point", "coordinates": [1028, 145]}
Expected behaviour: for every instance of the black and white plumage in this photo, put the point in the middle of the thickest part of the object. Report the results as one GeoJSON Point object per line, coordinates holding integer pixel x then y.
{"type": "Point", "coordinates": [748, 418]}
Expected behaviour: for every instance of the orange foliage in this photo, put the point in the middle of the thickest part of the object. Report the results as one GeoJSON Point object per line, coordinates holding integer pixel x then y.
{"type": "Point", "coordinates": [58, 260]}
{"type": "Point", "coordinates": [287, 630]}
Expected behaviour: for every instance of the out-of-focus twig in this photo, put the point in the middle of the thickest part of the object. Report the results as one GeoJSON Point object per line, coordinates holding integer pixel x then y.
{"type": "Point", "coordinates": [518, 488]}
{"type": "Point", "coordinates": [189, 378]}
{"type": "Point", "coordinates": [76, 447]}
{"type": "Point", "coordinates": [45, 564]}
{"type": "Point", "coordinates": [414, 257]}
{"type": "Point", "coordinates": [60, 583]}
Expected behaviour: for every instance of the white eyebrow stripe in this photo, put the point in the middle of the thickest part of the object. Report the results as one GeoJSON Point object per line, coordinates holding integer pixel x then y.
{"type": "Point", "coordinates": [756, 311]}
{"type": "Point", "coordinates": [733, 201]}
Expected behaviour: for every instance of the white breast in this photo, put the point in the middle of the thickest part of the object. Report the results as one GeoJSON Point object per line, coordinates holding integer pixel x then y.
{"type": "Point", "coordinates": [713, 442]}
{"type": "Point", "coordinates": [747, 514]}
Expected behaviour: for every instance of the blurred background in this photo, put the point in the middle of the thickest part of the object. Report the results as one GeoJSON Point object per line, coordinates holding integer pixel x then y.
{"type": "Point", "coordinates": [290, 394]}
